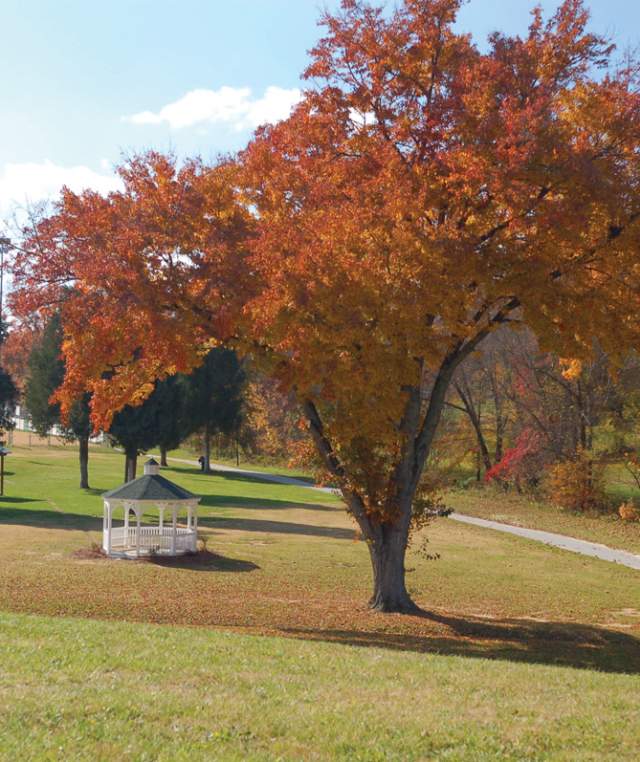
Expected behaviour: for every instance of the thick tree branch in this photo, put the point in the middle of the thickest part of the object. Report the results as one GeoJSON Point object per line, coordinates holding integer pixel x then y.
{"type": "Point", "coordinates": [331, 461]}
{"type": "Point", "coordinates": [444, 377]}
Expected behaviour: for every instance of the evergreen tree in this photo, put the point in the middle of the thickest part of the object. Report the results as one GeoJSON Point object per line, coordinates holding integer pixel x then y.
{"type": "Point", "coordinates": [8, 399]}
{"type": "Point", "coordinates": [135, 429]}
{"type": "Point", "coordinates": [46, 373]}
{"type": "Point", "coordinates": [8, 389]}
{"type": "Point", "coordinates": [157, 422]}
{"type": "Point", "coordinates": [170, 420]}
{"type": "Point", "coordinates": [213, 398]}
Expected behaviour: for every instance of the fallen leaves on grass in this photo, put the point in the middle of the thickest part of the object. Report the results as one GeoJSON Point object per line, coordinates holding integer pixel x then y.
{"type": "Point", "coordinates": [93, 553]}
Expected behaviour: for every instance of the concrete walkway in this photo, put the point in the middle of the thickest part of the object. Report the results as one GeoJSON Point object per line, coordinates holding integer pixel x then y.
{"type": "Point", "coordinates": [266, 477]}
{"type": "Point", "coordinates": [584, 547]}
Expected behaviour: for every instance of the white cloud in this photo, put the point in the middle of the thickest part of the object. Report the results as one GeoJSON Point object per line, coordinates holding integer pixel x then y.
{"type": "Point", "coordinates": [227, 105]}
{"type": "Point", "coordinates": [30, 182]}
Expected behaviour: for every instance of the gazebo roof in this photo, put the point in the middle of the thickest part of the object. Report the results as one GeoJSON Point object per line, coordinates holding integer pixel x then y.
{"type": "Point", "coordinates": [150, 487]}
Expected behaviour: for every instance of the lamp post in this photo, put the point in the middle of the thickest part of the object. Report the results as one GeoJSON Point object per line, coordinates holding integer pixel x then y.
{"type": "Point", "coordinates": [5, 248]}
{"type": "Point", "coordinates": [3, 453]}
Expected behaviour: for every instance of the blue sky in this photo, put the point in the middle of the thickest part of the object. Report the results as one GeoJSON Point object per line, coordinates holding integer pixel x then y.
{"type": "Point", "coordinates": [84, 81]}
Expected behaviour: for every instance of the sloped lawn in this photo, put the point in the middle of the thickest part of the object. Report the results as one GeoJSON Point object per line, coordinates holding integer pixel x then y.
{"type": "Point", "coordinates": [523, 652]}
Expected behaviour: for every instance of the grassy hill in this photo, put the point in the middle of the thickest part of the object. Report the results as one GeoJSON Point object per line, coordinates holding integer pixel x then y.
{"type": "Point", "coordinates": [83, 690]}
{"type": "Point", "coordinates": [523, 652]}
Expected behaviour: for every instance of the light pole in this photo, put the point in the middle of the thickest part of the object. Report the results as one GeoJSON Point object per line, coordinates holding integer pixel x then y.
{"type": "Point", "coordinates": [5, 247]}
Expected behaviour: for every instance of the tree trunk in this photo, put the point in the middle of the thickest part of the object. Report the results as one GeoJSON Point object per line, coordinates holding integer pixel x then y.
{"type": "Point", "coordinates": [163, 457]}
{"type": "Point", "coordinates": [582, 425]}
{"type": "Point", "coordinates": [499, 440]}
{"type": "Point", "coordinates": [476, 422]}
{"type": "Point", "coordinates": [207, 450]}
{"type": "Point", "coordinates": [130, 465]}
{"type": "Point", "coordinates": [387, 542]}
{"type": "Point", "coordinates": [387, 554]}
{"type": "Point", "coordinates": [500, 422]}
{"type": "Point", "coordinates": [83, 443]}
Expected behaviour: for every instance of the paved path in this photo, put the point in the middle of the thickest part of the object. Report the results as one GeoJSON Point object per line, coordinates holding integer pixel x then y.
{"type": "Point", "coordinates": [584, 547]}
{"type": "Point", "coordinates": [267, 477]}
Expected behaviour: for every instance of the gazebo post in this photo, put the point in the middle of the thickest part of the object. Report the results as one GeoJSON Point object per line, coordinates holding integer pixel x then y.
{"type": "Point", "coordinates": [189, 510]}
{"type": "Point", "coordinates": [137, 512]}
{"type": "Point", "coordinates": [109, 520]}
{"type": "Point", "coordinates": [174, 527]}
{"type": "Point", "coordinates": [194, 527]}
{"type": "Point", "coordinates": [126, 525]}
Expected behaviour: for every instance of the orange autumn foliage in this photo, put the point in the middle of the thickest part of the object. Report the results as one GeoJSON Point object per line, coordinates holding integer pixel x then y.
{"type": "Point", "coordinates": [144, 278]}
{"type": "Point", "coordinates": [16, 350]}
{"type": "Point", "coordinates": [272, 416]}
{"type": "Point", "coordinates": [628, 512]}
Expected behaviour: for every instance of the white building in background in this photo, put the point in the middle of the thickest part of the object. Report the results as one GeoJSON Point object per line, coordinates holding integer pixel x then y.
{"type": "Point", "coordinates": [22, 422]}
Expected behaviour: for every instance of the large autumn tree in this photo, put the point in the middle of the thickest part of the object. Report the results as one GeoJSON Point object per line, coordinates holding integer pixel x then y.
{"type": "Point", "coordinates": [422, 194]}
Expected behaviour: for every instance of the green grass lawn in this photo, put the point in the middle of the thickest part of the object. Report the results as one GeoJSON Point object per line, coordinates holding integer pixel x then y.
{"type": "Point", "coordinates": [80, 690]}
{"type": "Point", "coordinates": [266, 465]}
{"type": "Point", "coordinates": [523, 652]}
{"type": "Point", "coordinates": [47, 480]}
{"type": "Point", "coordinates": [620, 485]}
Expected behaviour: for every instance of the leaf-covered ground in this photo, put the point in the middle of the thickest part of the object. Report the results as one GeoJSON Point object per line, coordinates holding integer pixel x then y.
{"type": "Point", "coordinates": [279, 561]}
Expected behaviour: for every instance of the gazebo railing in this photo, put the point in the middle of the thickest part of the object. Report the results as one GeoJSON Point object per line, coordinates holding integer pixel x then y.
{"type": "Point", "coordinates": [154, 539]}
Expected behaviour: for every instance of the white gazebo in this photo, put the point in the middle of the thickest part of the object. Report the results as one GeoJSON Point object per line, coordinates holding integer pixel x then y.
{"type": "Point", "coordinates": [132, 539]}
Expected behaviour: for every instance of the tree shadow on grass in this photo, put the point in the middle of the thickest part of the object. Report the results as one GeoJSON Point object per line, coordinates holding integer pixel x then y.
{"type": "Point", "coordinates": [252, 477]}
{"type": "Point", "coordinates": [49, 519]}
{"type": "Point", "coordinates": [205, 560]}
{"type": "Point", "coordinates": [97, 491]}
{"type": "Point", "coordinates": [242, 475]}
{"type": "Point", "coordinates": [566, 644]}
{"type": "Point", "coordinates": [227, 475]}
{"type": "Point", "coordinates": [277, 527]}
{"type": "Point", "coordinates": [242, 501]}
